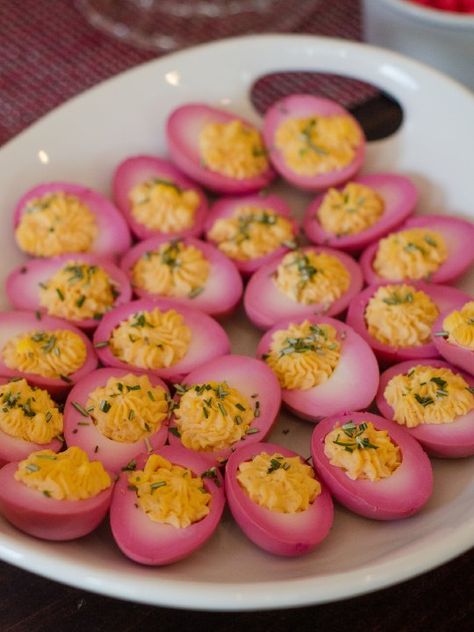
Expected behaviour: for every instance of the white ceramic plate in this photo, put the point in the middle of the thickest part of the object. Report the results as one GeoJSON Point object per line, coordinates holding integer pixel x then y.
{"type": "Point", "coordinates": [82, 142]}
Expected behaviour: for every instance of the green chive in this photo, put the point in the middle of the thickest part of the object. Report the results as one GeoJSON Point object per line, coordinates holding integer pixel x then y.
{"type": "Point", "coordinates": [80, 409]}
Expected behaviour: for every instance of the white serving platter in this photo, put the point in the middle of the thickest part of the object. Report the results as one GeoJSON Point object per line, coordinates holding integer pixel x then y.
{"type": "Point", "coordinates": [83, 140]}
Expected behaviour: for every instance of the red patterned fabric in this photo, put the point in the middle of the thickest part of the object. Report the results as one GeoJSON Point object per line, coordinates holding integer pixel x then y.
{"type": "Point", "coordinates": [49, 53]}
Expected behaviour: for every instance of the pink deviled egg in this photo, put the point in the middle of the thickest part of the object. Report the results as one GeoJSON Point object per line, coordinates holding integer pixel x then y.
{"type": "Point", "coordinates": [371, 465]}
{"type": "Point", "coordinates": [436, 248]}
{"type": "Point", "coordinates": [302, 283]}
{"type": "Point", "coordinates": [434, 401]}
{"type": "Point", "coordinates": [218, 149]}
{"type": "Point", "coordinates": [114, 414]}
{"type": "Point", "coordinates": [251, 230]}
{"type": "Point", "coordinates": [30, 420]}
{"type": "Point", "coordinates": [58, 218]}
{"type": "Point", "coordinates": [225, 403]}
{"type": "Point", "coordinates": [165, 506]}
{"type": "Point", "coordinates": [189, 271]}
{"type": "Point", "coordinates": [453, 335]}
{"type": "Point", "coordinates": [314, 143]}
{"type": "Point", "coordinates": [79, 288]}
{"type": "Point", "coordinates": [276, 499]}
{"type": "Point", "coordinates": [160, 337]}
{"type": "Point", "coordinates": [52, 496]}
{"type": "Point", "coordinates": [366, 208]}
{"type": "Point", "coordinates": [396, 318]}
{"type": "Point", "coordinates": [322, 364]}
{"type": "Point", "coordinates": [48, 352]}
{"type": "Point", "coordinates": [156, 199]}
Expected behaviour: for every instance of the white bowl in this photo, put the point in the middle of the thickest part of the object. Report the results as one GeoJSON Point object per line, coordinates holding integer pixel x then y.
{"type": "Point", "coordinates": [440, 38]}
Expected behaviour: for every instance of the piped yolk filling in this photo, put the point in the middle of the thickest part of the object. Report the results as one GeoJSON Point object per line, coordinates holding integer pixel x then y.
{"type": "Point", "coordinates": [304, 355]}
{"type": "Point", "coordinates": [309, 277]}
{"type": "Point", "coordinates": [67, 475]}
{"type": "Point", "coordinates": [459, 326]}
{"type": "Point", "coordinates": [410, 254]}
{"type": "Point", "coordinates": [362, 451]}
{"type": "Point", "coordinates": [78, 291]}
{"type": "Point", "coordinates": [174, 269]}
{"type": "Point", "coordinates": [55, 224]}
{"type": "Point", "coordinates": [317, 145]}
{"type": "Point", "coordinates": [279, 483]}
{"type": "Point", "coordinates": [428, 395]}
{"type": "Point", "coordinates": [213, 416]}
{"type": "Point", "coordinates": [400, 316]}
{"type": "Point", "coordinates": [55, 354]}
{"type": "Point", "coordinates": [162, 205]}
{"type": "Point", "coordinates": [170, 494]}
{"type": "Point", "coordinates": [151, 339]}
{"type": "Point", "coordinates": [29, 413]}
{"type": "Point", "coordinates": [233, 149]}
{"type": "Point", "coordinates": [251, 232]}
{"type": "Point", "coordinates": [350, 211]}
{"type": "Point", "coordinates": [126, 409]}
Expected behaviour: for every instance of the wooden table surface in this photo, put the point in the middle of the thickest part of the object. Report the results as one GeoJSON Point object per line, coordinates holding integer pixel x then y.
{"type": "Point", "coordinates": [436, 601]}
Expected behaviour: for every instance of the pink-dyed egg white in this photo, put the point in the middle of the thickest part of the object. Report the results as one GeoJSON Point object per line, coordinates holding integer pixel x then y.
{"type": "Point", "coordinates": [81, 428]}
{"type": "Point", "coordinates": [155, 543]}
{"type": "Point", "coordinates": [443, 296]}
{"type": "Point", "coordinates": [452, 439]}
{"type": "Point", "coordinates": [265, 304]}
{"type": "Point", "coordinates": [25, 282]}
{"type": "Point", "coordinates": [230, 419]}
{"type": "Point", "coordinates": [221, 291]}
{"type": "Point", "coordinates": [47, 518]}
{"type": "Point", "coordinates": [454, 353]}
{"type": "Point", "coordinates": [184, 131]}
{"type": "Point", "coordinates": [351, 385]}
{"type": "Point", "coordinates": [112, 237]}
{"type": "Point", "coordinates": [15, 324]}
{"type": "Point", "coordinates": [399, 495]}
{"type": "Point", "coordinates": [457, 235]}
{"type": "Point", "coordinates": [261, 205]}
{"type": "Point", "coordinates": [137, 171]}
{"type": "Point", "coordinates": [207, 339]}
{"type": "Point", "coordinates": [399, 198]}
{"type": "Point", "coordinates": [14, 448]}
{"type": "Point", "coordinates": [308, 109]}
{"type": "Point", "coordinates": [286, 534]}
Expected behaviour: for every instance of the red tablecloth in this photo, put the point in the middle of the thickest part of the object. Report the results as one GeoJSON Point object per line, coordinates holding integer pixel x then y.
{"type": "Point", "coordinates": [49, 53]}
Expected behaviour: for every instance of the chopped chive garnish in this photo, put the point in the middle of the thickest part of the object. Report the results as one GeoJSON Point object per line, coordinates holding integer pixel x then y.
{"type": "Point", "coordinates": [174, 431]}
{"type": "Point", "coordinates": [66, 379]}
{"type": "Point", "coordinates": [222, 409]}
{"type": "Point", "coordinates": [149, 447]}
{"type": "Point", "coordinates": [38, 315]}
{"type": "Point", "coordinates": [48, 416]}
{"type": "Point", "coordinates": [137, 387]}
{"type": "Point", "coordinates": [211, 473]}
{"type": "Point", "coordinates": [205, 412]}
{"type": "Point", "coordinates": [238, 419]}
{"type": "Point", "coordinates": [240, 407]}
{"type": "Point", "coordinates": [32, 467]}
{"type": "Point", "coordinates": [251, 431]}
{"type": "Point", "coordinates": [80, 408]}
{"type": "Point", "coordinates": [46, 493]}
{"type": "Point", "coordinates": [80, 301]}
{"type": "Point", "coordinates": [104, 406]}
{"type": "Point", "coordinates": [424, 401]}
{"type": "Point", "coordinates": [157, 485]}
{"type": "Point", "coordinates": [83, 423]}
{"type": "Point", "coordinates": [101, 343]}
{"type": "Point", "coordinates": [195, 292]}
{"type": "Point", "coordinates": [131, 415]}
{"type": "Point", "coordinates": [130, 467]}
{"type": "Point", "coordinates": [151, 396]}
{"type": "Point", "coordinates": [257, 411]}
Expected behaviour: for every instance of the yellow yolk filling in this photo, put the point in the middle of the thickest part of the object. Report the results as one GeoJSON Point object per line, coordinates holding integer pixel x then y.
{"type": "Point", "coordinates": [318, 145]}
{"type": "Point", "coordinates": [54, 353]}
{"type": "Point", "coordinates": [164, 206]}
{"type": "Point", "coordinates": [213, 416]}
{"type": "Point", "coordinates": [78, 291]}
{"type": "Point", "coordinates": [29, 413]}
{"type": "Point", "coordinates": [67, 475]}
{"type": "Point", "coordinates": [459, 326]}
{"type": "Point", "coordinates": [127, 409]}
{"type": "Point", "coordinates": [400, 316]}
{"type": "Point", "coordinates": [151, 340]}
{"type": "Point", "coordinates": [170, 494]}
{"type": "Point", "coordinates": [304, 355]}
{"type": "Point", "coordinates": [233, 149]}
{"type": "Point", "coordinates": [410, 254]}
{"type": "Point", "coordinates": [308, 277]}
{"type": "Point", "coordinates": [173, 270]}
{"type": "Point", "coordinates": [362, 451]}
{"type": "Point", "coordinates": [350, 211]}
{"type": "Point", "coordinates": [251, 232]}
{"type": "Point", "coordinates": [55, 224]}
{"type": "Point", "coordinates": [278, 483]}
{"type": "Point", "coordinates": [428, 395]}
